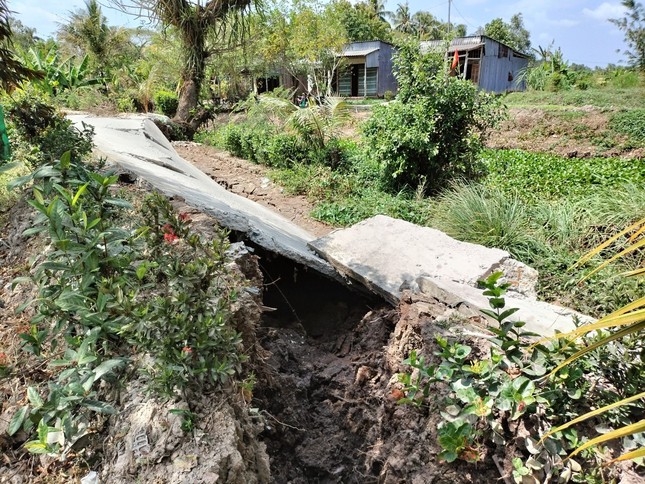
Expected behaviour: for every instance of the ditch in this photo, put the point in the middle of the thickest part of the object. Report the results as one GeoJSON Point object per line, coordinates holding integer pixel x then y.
{"type": "Point", "coordinates": [330, 415]}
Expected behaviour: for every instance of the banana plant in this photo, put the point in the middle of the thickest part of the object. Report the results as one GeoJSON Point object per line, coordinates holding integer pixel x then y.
{"type": "Point", "coordinates": [59, 75]}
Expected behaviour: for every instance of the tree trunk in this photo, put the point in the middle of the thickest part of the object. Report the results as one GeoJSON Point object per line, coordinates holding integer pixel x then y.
{"type": "Point", "coordinates": [188, 99]}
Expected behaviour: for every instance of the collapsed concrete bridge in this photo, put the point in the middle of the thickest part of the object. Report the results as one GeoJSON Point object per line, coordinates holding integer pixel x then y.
{"type": "Point", "coordinates": [382, 254]}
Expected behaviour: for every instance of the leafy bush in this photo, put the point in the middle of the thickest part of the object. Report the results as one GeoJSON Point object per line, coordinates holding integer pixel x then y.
{"type": "Point", "coordinates": [283, 150]}
{"type": "Point", "coordinates": [481, 394]}
{"type": "Point", "coordinates": [433, 132]}
{"type": "Point", "coordinates": [108, 280]}
{"type": "Point", "coordinates": [167, 102]}
{"type": "Point", "coordinates": [185, 323]}
{"type": "Point", "coordinates": [41, 125]}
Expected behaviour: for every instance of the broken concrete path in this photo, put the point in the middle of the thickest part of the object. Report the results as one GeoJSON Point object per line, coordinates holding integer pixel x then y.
{"type": "Point", "coordinates": [388, 255]}
{"type": "Point", "coordinates": [135, 144]}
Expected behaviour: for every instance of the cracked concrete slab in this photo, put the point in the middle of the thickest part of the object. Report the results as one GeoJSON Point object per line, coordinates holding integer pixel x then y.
{"type": "Point", "coordinates": [136, 145]}
{"type": "Point", "coordinates": [388, 255]}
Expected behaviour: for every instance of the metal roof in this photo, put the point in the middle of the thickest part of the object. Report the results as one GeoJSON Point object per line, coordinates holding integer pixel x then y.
{"type": "Point", "coordinates": [463, 44]}
{"type": "Point", "coordinates": [359, 53]}
{"type": "Point", "coordinates": [460, 43]}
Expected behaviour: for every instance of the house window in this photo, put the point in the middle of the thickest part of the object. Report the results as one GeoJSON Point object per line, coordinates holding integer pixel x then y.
{"type": "Point", "coordinates": [503, 51]}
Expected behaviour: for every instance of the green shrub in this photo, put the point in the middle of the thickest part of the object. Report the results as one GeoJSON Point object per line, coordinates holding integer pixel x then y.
{"type": "Point", "coordinates": [125, 104]}
{"type": "Point", "coordinates": [230, 138]}
{"type": "Point", "coordinates": [389, 95]}
{"type": "Point", "coordinates": [167, 102]}
{"type": "Point", "coordinates": [48, 130]}
{"type": "Point", "coordinates": [283, 150]}
{"type": "Point", "coordinates": [433, 132]}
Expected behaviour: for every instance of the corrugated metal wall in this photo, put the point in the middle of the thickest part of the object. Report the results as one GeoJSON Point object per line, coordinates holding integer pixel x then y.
{"type": "Point", "coordinates": [386, 79]}
{"type": "Point", "coordinates": [499, 74]}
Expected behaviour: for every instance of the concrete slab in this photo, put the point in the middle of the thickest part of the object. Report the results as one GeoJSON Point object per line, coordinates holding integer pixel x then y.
{"type": "Point", "coordinates": [388, 255]}
{"type": "Point", "coordinates": [135, 144]}
{"type": "Point", "coordinates": [540, 317]}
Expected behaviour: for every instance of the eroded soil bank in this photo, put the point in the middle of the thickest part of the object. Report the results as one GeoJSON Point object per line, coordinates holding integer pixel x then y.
{"type": "Point", "coordinates": [331, 415]}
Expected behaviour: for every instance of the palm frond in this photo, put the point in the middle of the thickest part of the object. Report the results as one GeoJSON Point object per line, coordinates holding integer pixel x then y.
{"type": "Point", "coordinates": [591, 414]}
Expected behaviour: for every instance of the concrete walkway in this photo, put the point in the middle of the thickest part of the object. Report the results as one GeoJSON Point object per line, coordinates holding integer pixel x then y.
{"type": "Point", "coordinates": [136, 145]}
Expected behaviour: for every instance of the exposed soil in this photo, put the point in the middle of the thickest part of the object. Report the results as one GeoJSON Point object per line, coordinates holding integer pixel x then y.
{"type": "Point", "coordinates": [572, 132]}
{"type": "Point", "coordinates": [250, 180]}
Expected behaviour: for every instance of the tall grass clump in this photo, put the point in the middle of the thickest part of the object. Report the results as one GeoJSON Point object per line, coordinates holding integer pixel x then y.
{"type": "Point", "coordinates": [475, 213]}
{"type": "Point", "coordinates": [550, 235]}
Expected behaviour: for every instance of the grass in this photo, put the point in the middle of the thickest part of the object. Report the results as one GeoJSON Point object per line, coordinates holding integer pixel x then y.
{"type": "Point", "coordinates": [550, 235]}
{"type": "Point", "coordinates": [606, 97]}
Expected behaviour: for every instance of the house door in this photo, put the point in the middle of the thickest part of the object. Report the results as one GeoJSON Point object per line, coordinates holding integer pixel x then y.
{"type": "Point", "coordinates": [474, 72]}
{"type": "Point", "coordinates": [356, 78]}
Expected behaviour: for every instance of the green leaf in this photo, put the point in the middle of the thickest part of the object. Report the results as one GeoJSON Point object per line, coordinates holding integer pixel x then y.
{"type": "Point", "coordinates": [19, 182]}
{"type": "Point", "coordinates": [36, 447]}
{"type": "Point", "coordinates": [99, 407]}
{"type": "Point", "coordinates": [106, 367]}
{"type": "Point", "coordinates": [43, 430]}
{"type": "Point", "coordinates": [118, 202]}
{"type": "Point", "coordinates": [78, 194]}
{"type": "Point", "coordinates": [17, 420]}
{"type": "Point", "coordinates": [143, 268]}
{"type": "Point", "coordinates": [34, 397]}
{"type": "Point", "coordinates": [34, 231]}
{"type": "Point", "coordinates": [8, 166]}
{"type": "Point", "coordinates": [66, 160]}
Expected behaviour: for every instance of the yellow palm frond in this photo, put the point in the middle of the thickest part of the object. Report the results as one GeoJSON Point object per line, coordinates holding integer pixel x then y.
{"type": "Point", "coordinates": [634, 454]}
{"type": "Point", "coordinates": [614, 434]}
{"type": "Point", "coordinates": [589, 255]}
{"type": "Point", "coordinates": [593, 413]}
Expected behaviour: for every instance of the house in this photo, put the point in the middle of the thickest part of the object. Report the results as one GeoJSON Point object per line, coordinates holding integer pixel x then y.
{"type": "Point", "coordinates": [366, 70]}
{"type": "Point", "coordinates": [491, 65]}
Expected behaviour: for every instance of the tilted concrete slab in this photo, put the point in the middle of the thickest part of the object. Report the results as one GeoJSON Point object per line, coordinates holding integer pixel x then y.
{"type": "Point", "coordinates": [540, 317]}
{"type": "Point", "coordinates": [388, 255]}
{"type": "Point", "coordinates": [136, 145]}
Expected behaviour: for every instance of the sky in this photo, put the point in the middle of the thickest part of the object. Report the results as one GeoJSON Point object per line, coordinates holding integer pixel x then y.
{"type": "Point", "coordinates": [579, 27]}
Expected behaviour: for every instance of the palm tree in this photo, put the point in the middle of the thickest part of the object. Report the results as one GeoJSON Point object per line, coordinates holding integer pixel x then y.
{"type": "Point", "coordinates": [427, 26]}
{"type": "Point", "coordinates": [12, 72]}
{"type": "Point", "coordinates": [377, 8]}
{"type": "Point", "coordinates": [195, 21]}
{"type": "Point", "coordinates": [86, 32]}
{"type": "Point", "coordinates": [403, 19]}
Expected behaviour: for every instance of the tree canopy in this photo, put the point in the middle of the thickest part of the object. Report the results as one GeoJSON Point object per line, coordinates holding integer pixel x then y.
{"type": "Point", "coordinates": [513, 34]}
{"type": "Point", "coordinates": [12, 72]}
{"type": "Point", "coordinates": [633, 25]}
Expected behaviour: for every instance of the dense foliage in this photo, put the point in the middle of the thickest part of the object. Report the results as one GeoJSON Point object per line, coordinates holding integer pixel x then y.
{"type": "Point", "coordinates": [434, 130]}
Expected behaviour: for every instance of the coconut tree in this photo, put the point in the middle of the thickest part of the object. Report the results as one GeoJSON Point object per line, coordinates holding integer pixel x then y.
{"type": "Point", "coordinates": [402, 19]}
{"type": "Point", "coordinates": [203, 27]}
{"type": "Point", "coordinates": [377, 8]}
